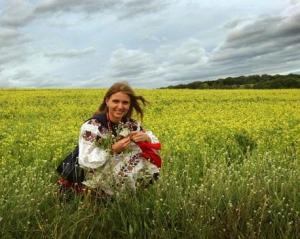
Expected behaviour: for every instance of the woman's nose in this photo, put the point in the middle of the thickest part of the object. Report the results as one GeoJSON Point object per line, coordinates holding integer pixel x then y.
{"type": "Point", "coordinates": [120, 105]}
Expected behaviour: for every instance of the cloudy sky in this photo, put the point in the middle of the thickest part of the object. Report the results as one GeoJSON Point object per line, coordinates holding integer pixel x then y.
{"type": "Point", "coordinates": [149, 43]}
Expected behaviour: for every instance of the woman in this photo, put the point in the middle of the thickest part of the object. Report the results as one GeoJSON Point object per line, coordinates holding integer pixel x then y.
{"type": "Point", "coordinates": [114, 149]}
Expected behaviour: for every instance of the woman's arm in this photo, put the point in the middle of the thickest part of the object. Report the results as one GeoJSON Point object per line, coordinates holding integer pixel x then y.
{"type": "Point", "coordinates": [90, 155]}
{"type": "Point", "coordinates": [141, 135]}
{"type": "Point", "coordinates": [121, 145]}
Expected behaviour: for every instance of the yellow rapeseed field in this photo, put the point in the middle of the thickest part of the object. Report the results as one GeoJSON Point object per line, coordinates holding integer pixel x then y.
{"type": "Point", "coordinates": [44, 121]}
{"type": "Point", "coordinates": [230, 165]}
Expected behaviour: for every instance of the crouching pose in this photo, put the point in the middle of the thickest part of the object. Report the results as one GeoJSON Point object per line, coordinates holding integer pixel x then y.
{"type": "Point", "coordinates": [115, 151]}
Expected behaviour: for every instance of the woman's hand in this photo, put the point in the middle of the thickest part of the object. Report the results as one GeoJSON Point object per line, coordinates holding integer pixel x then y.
{"type": "Point", "coordinates": [138, 136]}
{"type": "Point", "coordinates": [121, 145]}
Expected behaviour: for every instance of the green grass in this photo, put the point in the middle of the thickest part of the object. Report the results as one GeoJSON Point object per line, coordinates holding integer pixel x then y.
{"type": "Point", "coordinates": [220, 178]}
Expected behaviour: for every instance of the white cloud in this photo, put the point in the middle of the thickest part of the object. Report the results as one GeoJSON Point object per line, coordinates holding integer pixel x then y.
{"type": "Point", "coordinates": [125, 62]}
{"type": "Point", "coordinates": [187, 53]}
{"type": "Point", "coordinates": [154, 38]}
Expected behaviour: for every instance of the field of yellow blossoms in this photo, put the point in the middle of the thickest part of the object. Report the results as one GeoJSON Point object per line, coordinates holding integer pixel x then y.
{"type": "Point", "coordinates": [231, 166]}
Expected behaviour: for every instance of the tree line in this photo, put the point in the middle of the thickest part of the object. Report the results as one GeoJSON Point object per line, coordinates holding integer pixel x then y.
{"type": "Point", "coordinates": [245, 82]}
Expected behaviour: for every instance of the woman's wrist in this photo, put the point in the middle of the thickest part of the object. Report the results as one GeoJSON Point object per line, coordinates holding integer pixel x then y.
{"type": "Point", "coordinates": [112, 149]}
{"type": "Point", "coordinates": [149, 139]}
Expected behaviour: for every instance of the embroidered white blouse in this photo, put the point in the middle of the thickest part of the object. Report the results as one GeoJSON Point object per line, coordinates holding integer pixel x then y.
{"type": "Point", "coordinates": [112, 172]}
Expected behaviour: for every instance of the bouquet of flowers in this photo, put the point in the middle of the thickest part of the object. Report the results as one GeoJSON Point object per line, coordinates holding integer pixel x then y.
{"type": "Point", "coordinates": [107, 138]}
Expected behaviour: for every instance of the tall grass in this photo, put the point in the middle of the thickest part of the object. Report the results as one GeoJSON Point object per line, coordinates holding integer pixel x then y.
{"type": "Point", "coordinates": [230, 167]}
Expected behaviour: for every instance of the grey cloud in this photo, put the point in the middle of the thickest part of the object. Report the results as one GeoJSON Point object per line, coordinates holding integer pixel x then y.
{"type": "Point", "coordinates": [252, 33]}
{"type": "Point", "coordinates": [272, 63]}
{"type": "Point", "coordinates": [53, 81]}
{"type": "Point", "coordinates": [12, 54]}
{"type": "Point", "coordinates": [125, 9]}
{"type": "Point", "coordinates": [21, 75]}
{"type": "Point", "coordinates": [72, 53]}
{"type": "Point", "coordinates": [22, 78]}
{"type": "Point", "coordinates": [267, 45]}
{"type": "Point", "coordinates": [26, 79]}
{"type": "Point", "coordinates": [75, 5]}
{"type": "Point", "coordinates": [267, 29]}
{"type": "Point", "coordinates": [7, 36]}
{"type": "Point", "coordinates": [141, 7]}
{"type": "Point", "coordinates": [18, 14]}
{"type": "Point", "coordinates": [16, 20]}
{"type": "Point", "coordinates": [255, 44]}
{"type": "Point", "coordinates": [12, 37]}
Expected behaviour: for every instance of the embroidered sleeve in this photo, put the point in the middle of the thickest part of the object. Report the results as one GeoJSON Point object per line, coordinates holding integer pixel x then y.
{"type": "Point", "coordinates": [139, 127]}
{"type": "Point", "coordinates": [91, 156]}
{"type": "Point", "coordinates": [153, 138]}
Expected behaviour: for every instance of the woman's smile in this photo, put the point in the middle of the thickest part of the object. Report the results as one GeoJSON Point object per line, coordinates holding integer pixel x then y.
{"type": "Point", "coordinates": [118, 105]}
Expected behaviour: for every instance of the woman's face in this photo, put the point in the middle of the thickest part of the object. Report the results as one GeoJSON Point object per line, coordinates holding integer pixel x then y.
{"type": "Point", "coordinates": [118, 105]}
